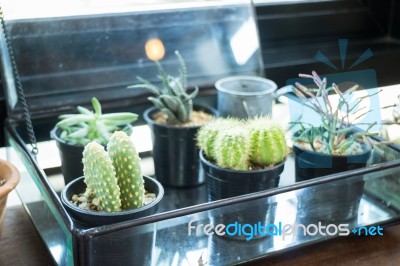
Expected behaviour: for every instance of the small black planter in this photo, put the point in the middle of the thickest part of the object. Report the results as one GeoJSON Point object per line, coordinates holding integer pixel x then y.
{"type": "Point", "coordinates": [95, 218]}
{"type": "Point", "coordinates": [71, 157]}
{"type": "Point", "coordinates": [311, 164]}
{"type": "Point", "coordinates": [175, 151]}
{"type": "Point", "coordinates": [225, 183]}
{"type": "Point", "coordinates": [335, 202]}
{"type": "Point", "coordinates": [132, 246]}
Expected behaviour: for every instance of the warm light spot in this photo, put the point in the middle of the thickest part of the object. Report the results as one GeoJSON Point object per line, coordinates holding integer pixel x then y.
{"type": "Point", "coordinates": [154, 49]}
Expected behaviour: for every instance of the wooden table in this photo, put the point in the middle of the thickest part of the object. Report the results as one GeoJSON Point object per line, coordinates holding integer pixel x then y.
{"type": "Point", "coordinates": [22, 245]}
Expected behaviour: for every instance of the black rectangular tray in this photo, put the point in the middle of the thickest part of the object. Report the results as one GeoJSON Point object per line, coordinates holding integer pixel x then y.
{"type": "Point", "coordinates": [69, 243]}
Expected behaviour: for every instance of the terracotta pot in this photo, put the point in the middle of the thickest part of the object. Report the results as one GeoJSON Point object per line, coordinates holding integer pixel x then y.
{"type": "Point", "coordinates": [10, 174]}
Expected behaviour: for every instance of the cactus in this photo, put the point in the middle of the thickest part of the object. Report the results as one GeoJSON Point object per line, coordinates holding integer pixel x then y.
{"type": "Point", "coordinates": [232, 149]}
{"type": "Point", "coordinates": [243, 145]}
{"type": "Point", "coordinates": [207, 135]}
{"type": "Point", "coordinates": [267, 142]}
{"type": "Point", "coordinates": [100, 177]}
{"type": "Point", "coordinates": [127, 167]}
{"type": "Point", "coordinates": [172, 99]}
{"type": "Point", "coordinates": [114, 177]}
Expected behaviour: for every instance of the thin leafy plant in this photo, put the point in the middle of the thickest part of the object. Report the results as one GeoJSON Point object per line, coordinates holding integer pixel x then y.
{"type": "Point", "coordinates": [171, 98]}
{"type": "Point", "coordinates": [336, 135]}
{"type": "Point", "coordinates": [87, 125]}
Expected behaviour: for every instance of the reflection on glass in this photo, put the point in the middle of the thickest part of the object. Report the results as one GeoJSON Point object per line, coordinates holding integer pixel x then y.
{"type": "Point", "coordinates": [244, 42]}
{"type": "Point", "coordinates": [154, 49]}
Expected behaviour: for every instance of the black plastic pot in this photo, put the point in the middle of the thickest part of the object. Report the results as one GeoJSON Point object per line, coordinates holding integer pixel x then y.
{"type": "Point", "coordinates": [71, 157]}
{"type": "Point", "coordinates": [91, 218]}
{"type": "Point", "coordinates": [334, 202]}
{"type": "Point", "coordinates": [225, 183]}
{"type": "Point", "coordinates": [133, 246]}
{"type": "Point", "coordinates": [175, 151]}
{"type": "Point", "coordinates": [311, 164]}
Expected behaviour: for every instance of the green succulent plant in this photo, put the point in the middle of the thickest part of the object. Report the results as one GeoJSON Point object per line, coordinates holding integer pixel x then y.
{"type": "Point", "coordinates": [207, 135]}
{"type": "Point", "coordinates": [232, 149]}
{"type": "Point", "coordinates": [87, 125]}
{"type": "Point", "coordinates": [336, 134]}
{"type": "Point", "coordinates": [231, 143]}
{"type": "Point", "coordinates": [267, 142]}
{"type": "Point", "coordinates": [172, 98]}
{"type": "Point", "coordinates": [114, 177]}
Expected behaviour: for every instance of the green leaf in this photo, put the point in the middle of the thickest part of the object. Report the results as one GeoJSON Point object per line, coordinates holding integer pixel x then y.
{"type": "Point", "coordinates": [84, 110]}
{"type": "Point", "coordinates": [68, 122]}
{"type": "Point", "coordinates": [96, 106]}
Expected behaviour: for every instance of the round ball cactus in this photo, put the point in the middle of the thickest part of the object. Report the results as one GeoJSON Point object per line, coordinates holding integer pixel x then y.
{"type": "Point", "coordinates": [267, 142]}
{"type": "Point", "coordinates": [243, 145]}
{"type": "Point", "coordinates": [207, 135]}
{"type": "Point", "coordinates": [232, 149]}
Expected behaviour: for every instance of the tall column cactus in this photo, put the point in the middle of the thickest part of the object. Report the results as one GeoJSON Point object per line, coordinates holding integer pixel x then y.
{"type": "Point", "coordinates": [114, 177]}
{"type": "Point", "coordinates": [100, 177]}
{"type": "Point", "coordinates": [126, 162]}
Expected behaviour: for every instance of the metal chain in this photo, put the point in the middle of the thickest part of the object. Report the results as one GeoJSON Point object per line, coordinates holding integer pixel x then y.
{"type": "Point", "coordinates": [21, 95]}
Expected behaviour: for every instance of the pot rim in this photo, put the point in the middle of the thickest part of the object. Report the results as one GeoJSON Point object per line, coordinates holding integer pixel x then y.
{"type": "Point", "coordinates": [92, 213]}
{"type": "Point", "coordinates": [11, 175]}
{"type": "Point", "coordinates": [149, 111]}
{"type": "Point", "coordinates": [366, 149]}
{"type": "Point", "coordinates": [219, 87]}
{"type": "Point", "coordinates": [212, 165]}
{"type": "Point", "coordinates": [54, 135]}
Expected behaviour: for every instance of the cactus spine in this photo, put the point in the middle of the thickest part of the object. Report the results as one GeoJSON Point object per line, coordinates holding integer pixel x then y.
{"type": "Point", "coordinates": [172, 99]}
{"type": "Point", "coordinates": [128, 172]}
{"type": "Point", "coordinates": [243, 145]}
{"type": "Point", "coordinates": [114, 177]}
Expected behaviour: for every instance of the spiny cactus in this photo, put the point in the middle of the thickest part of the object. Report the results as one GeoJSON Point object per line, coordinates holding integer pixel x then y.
{"type": "Point", "coordinates": [207, 135]}
{"type": "Point", "coordinates": [243, 145]}
{"type": "Point", "coordinates": [126, 162]}
{"type": "Point", "coordinates": [231, 149]}
{"type": "Point", "coordinates": [114, 177]}
{"type": "Point", "coordinates": [172, 98]}
{"type": "Point", "coordinates": [100, 177]}
{"type": "Point", "coordinates": [267, 142]}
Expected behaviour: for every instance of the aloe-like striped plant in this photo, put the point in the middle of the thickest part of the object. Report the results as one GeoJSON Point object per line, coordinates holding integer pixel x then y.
{"type": "Point", "coordinates": [172, 98]}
